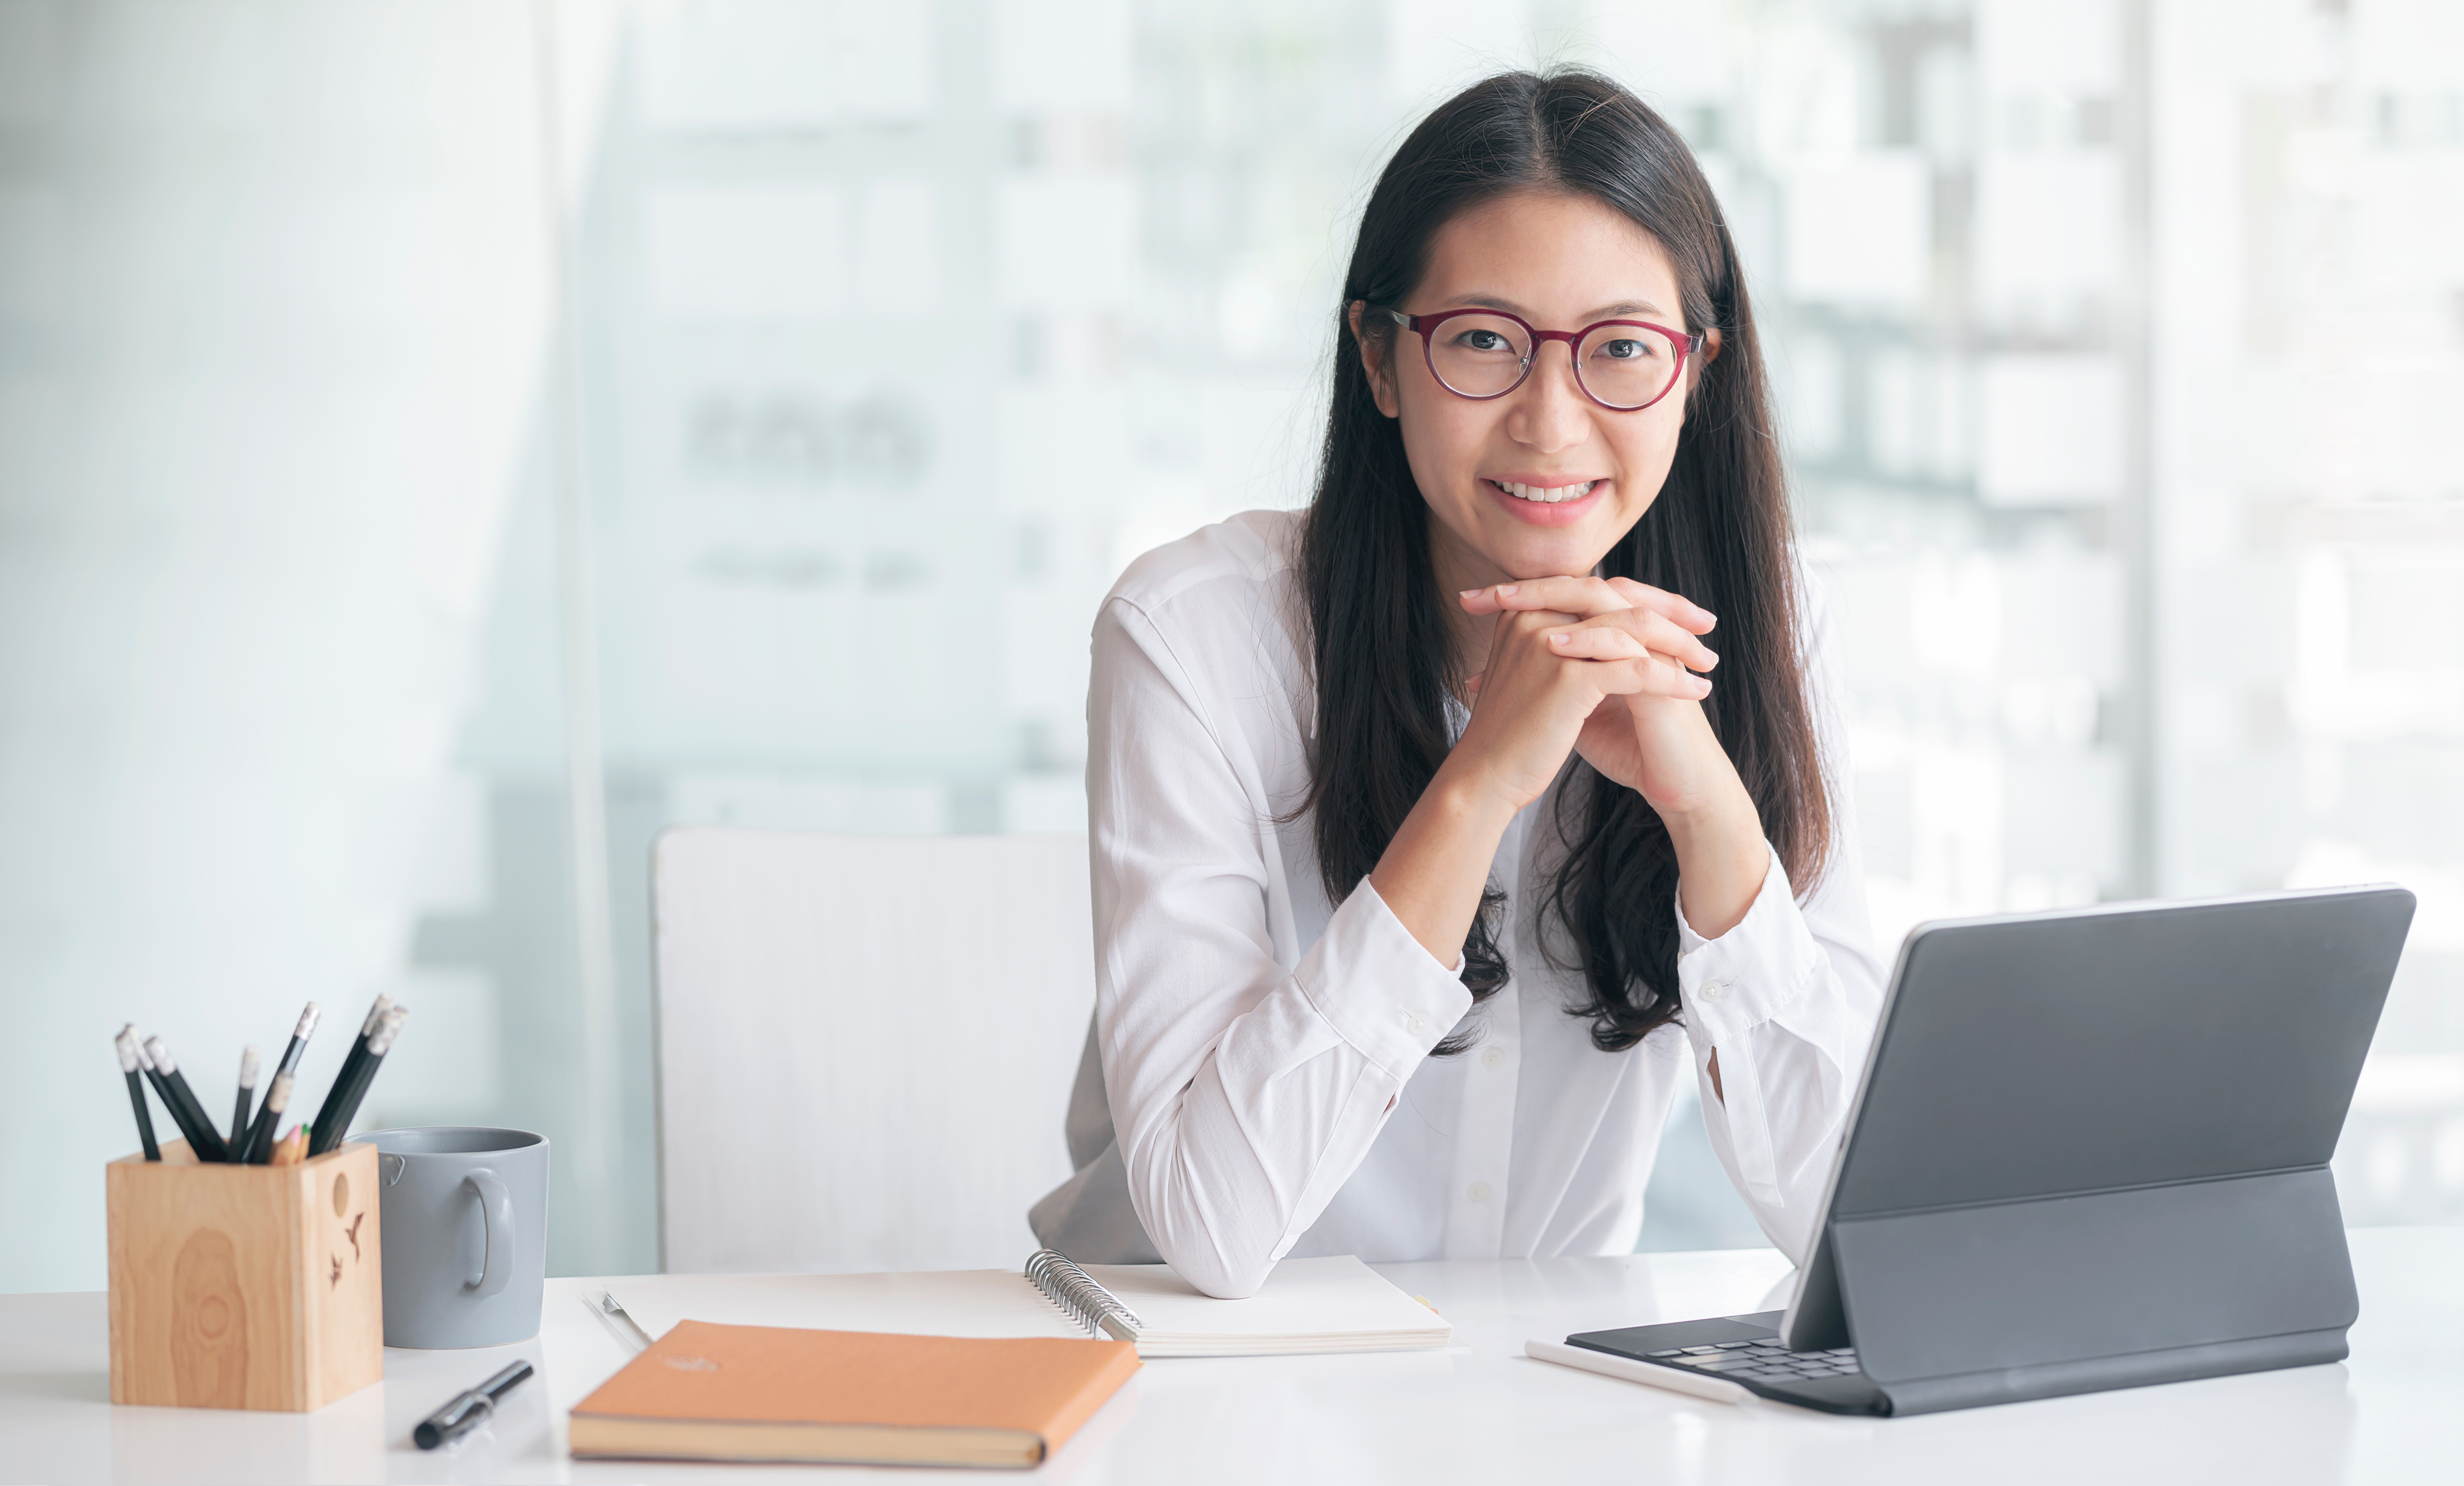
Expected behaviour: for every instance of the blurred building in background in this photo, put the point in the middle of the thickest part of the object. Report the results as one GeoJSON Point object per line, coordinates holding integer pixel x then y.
{"type": "Point", "coordinates": [441, 445]}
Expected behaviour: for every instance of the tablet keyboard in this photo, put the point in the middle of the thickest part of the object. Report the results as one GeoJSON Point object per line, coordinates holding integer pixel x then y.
{"type": "Point", "coordinates": [1766, 1360]}
{"type": "Point", "coordinates": [1748, 1352]}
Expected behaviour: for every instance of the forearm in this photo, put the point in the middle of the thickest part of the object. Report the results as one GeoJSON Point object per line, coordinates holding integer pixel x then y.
{"type": "Point", "coordinates": [1721, 856]}
{"type": "Point", "coordinates": [1435, 869]}
{"type": "Point", "coordinates": [1237, 1133]}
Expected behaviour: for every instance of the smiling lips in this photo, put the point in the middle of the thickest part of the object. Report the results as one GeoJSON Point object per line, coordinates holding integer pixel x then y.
{"type": "Point", "coordinates": [1550, 495]}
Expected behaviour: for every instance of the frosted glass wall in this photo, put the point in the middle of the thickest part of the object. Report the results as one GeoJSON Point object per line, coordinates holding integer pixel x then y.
{"type": "Point", "coordinates": [442, 444]}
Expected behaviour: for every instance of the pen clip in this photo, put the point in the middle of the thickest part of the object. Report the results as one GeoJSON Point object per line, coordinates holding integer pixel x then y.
{"type": "Point", "coordinates": [612, 1311]}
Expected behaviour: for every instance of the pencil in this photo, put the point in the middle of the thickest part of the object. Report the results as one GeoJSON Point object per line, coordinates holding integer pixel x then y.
{"type": "Point", "coordinates": [352, 1062]}
{"type": "Point", "coordinates": [260, 1135]}
{"type": "Point", "coordinates": [177, 1097]}
{"type": "Point", "coordinates": [130, 1056]}
{"type": "Point", "coordinates": [291, 1148]}
{"type": "Point", "coordinates": [162, 1092]}
{"type": "Point", "coordinates": [246, 1088]}
{"type": "Point", "coordinates": [329, 1137]}
{"type": "Point", "coordinates": [277, 1099]}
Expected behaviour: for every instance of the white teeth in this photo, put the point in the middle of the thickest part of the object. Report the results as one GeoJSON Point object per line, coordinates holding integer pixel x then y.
{"type": "Point", "coordinates": [1546, 498]}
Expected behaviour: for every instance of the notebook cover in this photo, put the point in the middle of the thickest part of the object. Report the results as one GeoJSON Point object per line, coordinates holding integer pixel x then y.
{"type": "Point", "coordinates": [701, 1374]}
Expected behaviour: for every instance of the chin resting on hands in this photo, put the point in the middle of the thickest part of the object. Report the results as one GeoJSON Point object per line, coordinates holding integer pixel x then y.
{"type": "Point", "coordinates": [1633, 640]}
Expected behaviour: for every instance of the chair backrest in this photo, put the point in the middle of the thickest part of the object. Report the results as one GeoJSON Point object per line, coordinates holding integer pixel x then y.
{"type": "Point", "coordinates": [865, 1045]}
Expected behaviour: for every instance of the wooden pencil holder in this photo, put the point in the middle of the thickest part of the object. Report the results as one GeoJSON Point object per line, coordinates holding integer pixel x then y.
{"type": "Point", "coordinates": [244, 1286]}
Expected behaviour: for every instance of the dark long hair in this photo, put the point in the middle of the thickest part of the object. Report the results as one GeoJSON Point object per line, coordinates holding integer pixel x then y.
{"type": "Point", "coordinates": [1718, 534]}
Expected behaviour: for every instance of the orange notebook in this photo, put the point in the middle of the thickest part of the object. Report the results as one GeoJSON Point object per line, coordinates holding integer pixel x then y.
{"type": "Point", "coordinates": [712, 1392]}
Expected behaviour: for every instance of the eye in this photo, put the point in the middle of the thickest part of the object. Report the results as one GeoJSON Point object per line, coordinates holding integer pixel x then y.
{"type": "Point", "coordinates": [1482, 340]}
{"type": "Point", "coordinates": [1624, 349]}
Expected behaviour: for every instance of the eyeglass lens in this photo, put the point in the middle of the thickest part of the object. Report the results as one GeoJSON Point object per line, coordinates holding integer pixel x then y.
{"type": "Point", "coordinates": [1622, 365]}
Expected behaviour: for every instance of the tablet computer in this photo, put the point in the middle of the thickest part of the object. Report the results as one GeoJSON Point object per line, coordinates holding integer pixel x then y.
{"type": "Point", "coordinates": [2089, 1150]}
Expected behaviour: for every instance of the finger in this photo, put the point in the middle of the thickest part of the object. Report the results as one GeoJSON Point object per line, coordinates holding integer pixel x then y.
{"type": "Point", "coordinates": [1649, 632]}
{"type": "Point", "coordinates": [1655, 673]}
{"type": "Point", "coordinates": [1625, 667]}
{"type": "Point", "coordinates": [1677, 608]}
{"type": "Point", "coordinates": [1471, 683]}
{"type": "Point", "coordinates": [1581, 596]}
{"type": "Point", "coordinates": [1652, 675]}
{"type": "Point", "coordinates": [1661, 633]}
{"type": "Point", "coordinates": [1598, 643]}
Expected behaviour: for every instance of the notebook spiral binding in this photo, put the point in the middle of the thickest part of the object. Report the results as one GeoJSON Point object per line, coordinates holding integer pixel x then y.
{"type": "Point", "coordinates": [1075, 1291]}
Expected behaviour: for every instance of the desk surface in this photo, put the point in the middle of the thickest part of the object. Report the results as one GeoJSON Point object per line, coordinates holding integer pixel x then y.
{"type": "Point", "coordinates": [1479, 1412]}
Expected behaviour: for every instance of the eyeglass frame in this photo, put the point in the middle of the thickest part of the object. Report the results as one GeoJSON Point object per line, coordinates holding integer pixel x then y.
{"type": "Point", "coordinates": [1421, 324]}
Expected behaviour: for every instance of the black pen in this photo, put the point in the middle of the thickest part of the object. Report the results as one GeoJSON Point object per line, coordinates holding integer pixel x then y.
{"type": "Point", "coordinates": [326, 1137]}
{"type": "Point", "coordinates": [204, 1140]}
{"type": "Point", "coordinates": [352, 1062]}
{"type": "Point", "coordinates": [131, 1058]}
{"type": "Point", "coordinates": [260, 1135]}
{"type": "Point", "coordinates": [463, 1412]}
{"type": "Point", "coordinates": [246, 1088]}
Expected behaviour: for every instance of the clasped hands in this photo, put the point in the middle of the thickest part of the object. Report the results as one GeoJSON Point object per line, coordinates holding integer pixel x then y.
{"type": "Point", "coordinates": [1606, 667]}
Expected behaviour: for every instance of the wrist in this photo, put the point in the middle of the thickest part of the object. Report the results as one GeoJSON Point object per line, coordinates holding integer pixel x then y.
{"type": "Point", "coordinates": [1469, 799]}
{"type": "Point", "coordinates": [1729, 814]}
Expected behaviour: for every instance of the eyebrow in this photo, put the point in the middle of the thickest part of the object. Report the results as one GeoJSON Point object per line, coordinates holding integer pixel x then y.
{"type": "Point", "coordinates": [1607, 312]}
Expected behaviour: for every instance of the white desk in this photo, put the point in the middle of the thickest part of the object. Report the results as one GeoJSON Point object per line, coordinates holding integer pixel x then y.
{"type": "Point", "coordinates": [1477, 1412]}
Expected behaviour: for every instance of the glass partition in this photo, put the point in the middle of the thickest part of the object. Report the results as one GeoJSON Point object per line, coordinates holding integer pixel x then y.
{"type": "Point", "coordinates": [447, 444]}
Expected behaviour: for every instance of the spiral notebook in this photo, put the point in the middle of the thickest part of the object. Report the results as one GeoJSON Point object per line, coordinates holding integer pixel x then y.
{"type": "Point", "coordinates": [1335, 1304]}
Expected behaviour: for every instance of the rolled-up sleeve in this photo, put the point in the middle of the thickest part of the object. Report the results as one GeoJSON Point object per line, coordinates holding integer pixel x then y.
{"type": "Point", "coordinates": [1788, 998]}
{"type": "Point", "coordinates": [1244, 1091]}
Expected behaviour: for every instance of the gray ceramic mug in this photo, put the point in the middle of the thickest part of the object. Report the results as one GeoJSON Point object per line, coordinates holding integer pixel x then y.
{"type": "Point", "coordinates": [465, 1221]}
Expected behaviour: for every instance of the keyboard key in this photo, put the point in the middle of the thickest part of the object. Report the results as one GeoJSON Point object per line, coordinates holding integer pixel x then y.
{"type": "Point", "coordinates": [1674, 1352]}
{"type": "Point", "coordinates": [1699, 1351]}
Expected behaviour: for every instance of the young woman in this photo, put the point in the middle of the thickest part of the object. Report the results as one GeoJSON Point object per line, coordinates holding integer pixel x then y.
{"type": "Point", "coordinates": [1441, 830]}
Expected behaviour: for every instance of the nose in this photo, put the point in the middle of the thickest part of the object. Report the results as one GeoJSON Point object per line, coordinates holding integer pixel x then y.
{"type": "Point", "coordinates": [1550, 412]}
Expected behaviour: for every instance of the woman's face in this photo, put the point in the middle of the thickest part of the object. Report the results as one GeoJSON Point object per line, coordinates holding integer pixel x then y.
{"type": "Point", "coordinates": [1561, 262]}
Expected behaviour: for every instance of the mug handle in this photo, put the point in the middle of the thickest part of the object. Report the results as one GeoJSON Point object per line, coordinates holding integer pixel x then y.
{"type": "Point", "coordinates": [496, 1207]}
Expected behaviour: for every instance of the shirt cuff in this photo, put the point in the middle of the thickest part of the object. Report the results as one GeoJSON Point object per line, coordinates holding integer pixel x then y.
{"type": "Point", "coordinates": [1754, 971]}
{"type": "Point", "coordinates": [1377, 988]}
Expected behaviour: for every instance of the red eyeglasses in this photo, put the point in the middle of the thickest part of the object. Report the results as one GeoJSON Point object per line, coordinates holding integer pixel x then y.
{"type": "Point", "coordinates": [1623, 365]}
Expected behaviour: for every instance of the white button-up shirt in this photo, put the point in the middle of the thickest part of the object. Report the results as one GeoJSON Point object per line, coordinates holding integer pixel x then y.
{"type": "Point", "coordinates": [1265, 1086]}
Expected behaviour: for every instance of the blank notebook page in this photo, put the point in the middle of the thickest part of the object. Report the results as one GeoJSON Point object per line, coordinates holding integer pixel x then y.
{"type": "Point", "coordinates": [1335, 1304]}
{"type": "Point", "coordinates": [1307, 1305]}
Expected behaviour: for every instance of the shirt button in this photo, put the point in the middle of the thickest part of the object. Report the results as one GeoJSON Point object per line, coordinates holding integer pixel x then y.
{"type": "Point", "coordinates": [1478, 1191]}
{"type": "Point", "coordinates": [1419, 1026]}
{"type": "Point", "coordinates": [1494, 1057]}
{"type": "Point", "coordinates": [1713, 989]}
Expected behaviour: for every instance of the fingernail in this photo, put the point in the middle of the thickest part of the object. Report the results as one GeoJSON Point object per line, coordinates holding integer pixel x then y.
{"type": "Point", "coordinates": [1468, 593]}
{"type": "Point", "coordinates": [1710, 658]}
{"type": "Point", "coordinates": [1560, 637]}
{"type": "Point", "coordinates": [1503, 589]}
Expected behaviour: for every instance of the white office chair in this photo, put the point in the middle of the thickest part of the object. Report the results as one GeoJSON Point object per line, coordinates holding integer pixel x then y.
{"type": "Point", "coordinates": [865, 1045]}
